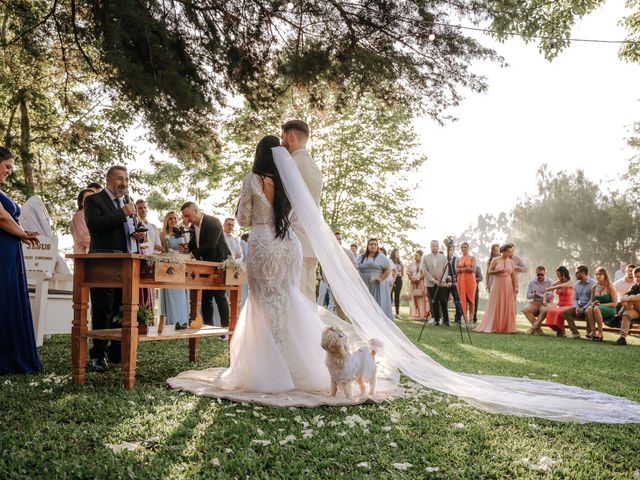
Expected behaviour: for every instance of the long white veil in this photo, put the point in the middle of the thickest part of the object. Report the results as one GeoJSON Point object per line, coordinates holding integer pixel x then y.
{"type": "Point", "coordinates": [507, 395]}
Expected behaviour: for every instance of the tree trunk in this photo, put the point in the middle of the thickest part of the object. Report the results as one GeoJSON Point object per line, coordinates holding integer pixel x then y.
{"type": "Point", "coordinates": [8, 138]}
{"type": "Point", "coordinates": [25, 145]}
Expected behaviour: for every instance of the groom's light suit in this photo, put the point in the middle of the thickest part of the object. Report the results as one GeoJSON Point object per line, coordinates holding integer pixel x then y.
{"type": "Point", "coordinates": [313, 178]}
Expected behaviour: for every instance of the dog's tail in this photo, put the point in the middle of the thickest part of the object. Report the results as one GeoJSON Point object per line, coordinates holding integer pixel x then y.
{"type": "Point", "coordinates": [375, 346]}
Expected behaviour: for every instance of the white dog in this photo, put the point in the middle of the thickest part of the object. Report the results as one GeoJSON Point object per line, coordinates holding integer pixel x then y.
{"type": "Point", "coordinates": [346, 367]}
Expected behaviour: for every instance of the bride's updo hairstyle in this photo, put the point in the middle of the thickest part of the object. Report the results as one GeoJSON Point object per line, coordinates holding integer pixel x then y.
{"type": "Point", "coordinates": [264, 166]}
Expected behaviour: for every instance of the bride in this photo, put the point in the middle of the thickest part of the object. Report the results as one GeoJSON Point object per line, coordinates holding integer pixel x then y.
{"type": "Point", "coordinates": [275, 351]}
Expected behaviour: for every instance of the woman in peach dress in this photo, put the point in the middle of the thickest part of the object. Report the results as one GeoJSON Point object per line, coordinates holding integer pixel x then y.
{"type": "Point", "coordinates": [500, 314]}
{"type": "Point", "coordinates": [466, 275]}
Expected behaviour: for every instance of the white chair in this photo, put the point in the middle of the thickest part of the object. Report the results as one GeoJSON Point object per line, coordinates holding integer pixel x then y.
{"type": "Point", "coordinates": [52, 295]}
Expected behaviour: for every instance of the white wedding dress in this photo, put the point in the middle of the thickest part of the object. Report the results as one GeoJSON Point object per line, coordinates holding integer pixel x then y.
{"type": "Point", "coordinates": [275, 353]}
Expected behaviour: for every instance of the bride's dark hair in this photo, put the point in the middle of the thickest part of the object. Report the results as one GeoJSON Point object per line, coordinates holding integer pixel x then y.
{"type": "Point", "coordinates": [264, 166]}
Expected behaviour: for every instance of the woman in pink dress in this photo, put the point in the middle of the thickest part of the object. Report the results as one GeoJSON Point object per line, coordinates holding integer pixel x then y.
{"type": "Point", "coordinates": [564, 288]}
{"type": "Point", "coordinates": [79, 230]}
{"type": "Point", "coordinates": [466, 275]}
{"type": "Point", "coordinates": [418, 301]}
{"type": "Point", "coordinates": [500, 314]}
{"type": "Point", "coordinates": [494, 252]}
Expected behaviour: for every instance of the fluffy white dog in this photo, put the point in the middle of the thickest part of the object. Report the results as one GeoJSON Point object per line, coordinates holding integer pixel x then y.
{"type": "Point", "coordinates": [346, 367]}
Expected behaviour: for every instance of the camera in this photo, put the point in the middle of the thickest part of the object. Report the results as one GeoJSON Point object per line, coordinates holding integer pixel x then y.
{"type": "Point", "coordinates": [448, 241]}
{"type": "Point", "coordinates": [141, 229]}
{"type": "Point", "coordinates": [178, 232]}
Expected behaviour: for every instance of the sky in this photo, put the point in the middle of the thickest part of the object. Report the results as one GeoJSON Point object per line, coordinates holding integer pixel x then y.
{"type": "Point", "coordinates": [574, 112]}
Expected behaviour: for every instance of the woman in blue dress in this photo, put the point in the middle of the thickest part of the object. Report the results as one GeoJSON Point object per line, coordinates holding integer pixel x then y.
{"type": "Point", "coordinates": [18, 353]}
{"type": "Point", "coordinates": [374, 268]}
{"type": "Point", "coordinates": [174, 302]}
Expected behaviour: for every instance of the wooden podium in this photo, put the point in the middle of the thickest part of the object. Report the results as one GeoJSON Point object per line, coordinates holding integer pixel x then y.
{"type": "Point", "coordinates": [130, 272]}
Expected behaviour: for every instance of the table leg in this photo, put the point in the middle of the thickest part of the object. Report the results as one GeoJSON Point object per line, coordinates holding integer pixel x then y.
{"type": "Point", "coordinates": [130, 301]}
{"type": "Point", "coordinates": [194, 349]}
{"type": "Point", "coordinates": [196, 304]}
{"type": "Point", "coordinates": [234, 310]}
{"type": "Point", "coordinates": [79, 325]}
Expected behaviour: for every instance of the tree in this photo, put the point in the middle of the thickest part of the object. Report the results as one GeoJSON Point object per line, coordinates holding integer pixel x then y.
{"type": "Point", "coordinates": [489, 229]}
{"type": "Point", "coordinates": [367, 154]}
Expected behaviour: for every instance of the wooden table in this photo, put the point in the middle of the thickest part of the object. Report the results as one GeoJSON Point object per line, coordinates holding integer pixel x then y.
{"type": "Point", "coordinates": [130, 272]}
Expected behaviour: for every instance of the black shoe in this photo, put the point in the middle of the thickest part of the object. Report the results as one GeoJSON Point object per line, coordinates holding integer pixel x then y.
{"type": "Point", "coordinates": [613, 322]}
{"type": "Point", "coordinates": [98, 365]}
{"type": "Point", "coordinates": [621, 341]}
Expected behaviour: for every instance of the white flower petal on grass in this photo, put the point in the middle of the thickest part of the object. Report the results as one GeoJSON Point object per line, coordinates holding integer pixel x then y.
{"type": "Point", "coordinates": [636, 474]}
{"type": "Point", "coordinates": [333, 423]}
{"type": "Point", "coordinates": [228, 451]}
{"type": "Point", "coordinates": [353, 420]}
{"type": "Point", "coordinates": [402, 466]}
{"type": "Point", "coordinates": [393, 445]}
{"type": "Point", "coordinates": [343, 409]}
{"type": "Point", "coordinates": [230, 414]}
{"type": "Point", "coordinates": [257, 408]}
{"type": "Point", "coordinates": [320, 424]}
{"type": "Point", "coordinates": [260, 432]}
{"type": "Point", "coordinates": [342, 434]}
{"type": "Point", "coordinates": [288, 439]}
{"type": "Point", "coordinates": [394, 417]}
{"type": "Point", "coordinates": [363, 465]}
{"type": "Point", "coordinates": [458, 425]}
{"type": "Point", "coordinates": [543, 465]}
{"type": "Point", "coordinates": [7, 382]}
{"type": "Point", "coordinates": [48, 390]}
{"type": "Point", "coordinates": [215, 462]}
{"type": "Point", "coordinates": [554, 375]}
{"type": "Point", "coordinates": [534, 426]}
{"type": "Point", "coordinates": [261, 442]}
{"type": "Point", "coordinates": [33, 384]}
{"type": "Point", "coordinates": [434, 413]}
{"type": "Point", "coordinates": [386, 429]}
{"type": "Point", "coordinates": [432, 469]}
{"type": "Point", "coordinates": [122, 446]}
{"type": "Point", "coordinates": [308, 433]}
{"type": "Point", "coordinates": [297, 418]}
{"type": "Point", "coordinates": [219, 400]}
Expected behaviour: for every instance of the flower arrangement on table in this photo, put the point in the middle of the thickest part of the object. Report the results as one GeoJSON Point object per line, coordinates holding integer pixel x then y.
{"type": "Point", "coordinates": [232, 264]}
{"type": "Point", "coordinates": [236, 271]}
{"type": "Point", "coordinates": [170, 256]}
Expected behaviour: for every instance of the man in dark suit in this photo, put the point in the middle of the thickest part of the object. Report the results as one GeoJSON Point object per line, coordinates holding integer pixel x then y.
{"type": "Point", "coordinates": [207, 243]}
{"type": "Point", "coordinates": [109, 217]}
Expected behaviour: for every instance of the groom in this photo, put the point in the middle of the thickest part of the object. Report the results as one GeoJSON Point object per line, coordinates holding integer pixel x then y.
{"type": "Point", "coordinates": [295, 134]}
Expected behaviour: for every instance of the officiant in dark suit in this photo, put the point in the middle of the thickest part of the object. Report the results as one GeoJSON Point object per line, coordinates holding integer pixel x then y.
{"type": "Point", "coordinates": [207, 243]}
{"type": "Point", "coordinates": [109, 215]}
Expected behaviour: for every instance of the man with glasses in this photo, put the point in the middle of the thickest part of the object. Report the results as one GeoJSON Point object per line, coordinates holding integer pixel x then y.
{"type": "Point", "coordinates": [581, 299]}
{"type": "Point", "coordinates": [538, 301]}
{"type": "Point", "coordinates": [631, 303]}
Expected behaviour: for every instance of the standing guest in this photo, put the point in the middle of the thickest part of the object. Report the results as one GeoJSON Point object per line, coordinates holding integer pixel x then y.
{"type": "Point", "coordinates": [95, 186]}
{"type": "Point", "coordinates": [232, 242]}
{"type": "Point", "coordinates": [295, 135]}
{"type": "Point", "coordinates": [174, 302]}
{"type": "Point", "coordinates": [622, 285]}
{"type": "Point", "coordinates": [500, 315]}
{"type": "Point", "coordinates": [244, 243]}
{"type": "Point", "coordinates": [78, 226]}
{"type": "Point", "coordinates": [109, 216]}
{"type": "Point", "coordinates": [325, 298]}
{"type": "Point", "coordinates": [479, 278]}
{"type": "Point", "coordinates": [396, 287]}
{"type": "Point", "coordinates": [494, 252]}
{"type": "Point", "coordinates": [631, 303]}
{"type": "Point", "coordinates": [564, 288]}
{"type": "Point", "coordinates": [452, 279]}
{"type": "Point", "coordinates": [354, 249]}
{"type": "Point", "coordinates": [207, 243]}
{"type": "Point", "coordinates": [387, 285]}
{"type": "Point", "coordinates": [18, 353]}
{"type": "Point", "coordinates": [374, 268]}
{"type": "Point", "coordinates": [467, 283]}
{"type": "Point", "coordinates": [618, 274]}
{"type": "Point", "coordinates": [418, 303]}
{"type": "Point", "coordinates": [538, 299]}
{"type": "Point", "coordinates": [152, 242]}
{"type": "Point", "coordinates": [518, 263]}
{"type": "Point", "coordinates": [604, 299]}
{"type": "Point", "coordinates": [431, 270]}
{"type": "Point", "coordinates": [581, 298]}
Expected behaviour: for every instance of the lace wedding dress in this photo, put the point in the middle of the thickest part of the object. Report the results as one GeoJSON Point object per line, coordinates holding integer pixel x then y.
{"type": "Point", "coordinates": [276, 356]}
{"type": "Point", "coordinates": [275, 353]}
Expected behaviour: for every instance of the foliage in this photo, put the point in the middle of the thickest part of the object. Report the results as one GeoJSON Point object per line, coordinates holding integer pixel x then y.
{"type": "Point", "coordinates": [550, 22]}
{"type": "Point", "coordinates": [489, 229]}
{"type": "Point", "coordinates": [144, 316]}
{"type": "Point", "coordinates": [51, 428]}
{"type": "Point", "coordinates": [368, 157]}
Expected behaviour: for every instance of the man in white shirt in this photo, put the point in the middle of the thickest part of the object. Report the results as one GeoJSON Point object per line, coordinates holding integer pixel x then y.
{"type": "Point", "coordinates": [233, 242]}
{"type": "Point", "coordinates": [151, 243]}
{"type": "Point", "coordinates": [295, 134]}
{"type": "Point", "coordinates": [623, 285]}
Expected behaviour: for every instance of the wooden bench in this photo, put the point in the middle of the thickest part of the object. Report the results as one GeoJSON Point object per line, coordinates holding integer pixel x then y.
{"type": "Point", "coordinates": [582, 325]}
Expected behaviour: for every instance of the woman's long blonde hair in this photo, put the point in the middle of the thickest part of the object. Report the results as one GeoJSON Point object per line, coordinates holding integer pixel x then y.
{"type": "Point", "coordinates": [165, 223]}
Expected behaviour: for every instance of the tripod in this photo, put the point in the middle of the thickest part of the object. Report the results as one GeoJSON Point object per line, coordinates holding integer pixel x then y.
{"type": "Point", "coordinates": [456, 297]}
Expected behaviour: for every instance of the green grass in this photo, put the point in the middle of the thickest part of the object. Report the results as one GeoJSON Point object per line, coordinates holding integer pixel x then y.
{"type": "Point", "coordinates": [51, 429]}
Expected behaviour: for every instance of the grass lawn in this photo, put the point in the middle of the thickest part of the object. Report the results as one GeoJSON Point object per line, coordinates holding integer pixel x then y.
{"type": "Point", "coordinates": [51, 429]}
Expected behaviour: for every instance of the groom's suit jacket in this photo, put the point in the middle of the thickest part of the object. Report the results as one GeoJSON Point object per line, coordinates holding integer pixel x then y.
{"type": "Point", "coordinates": [431, 270]}
{"type": "Point", "coordinates": [212, 245]}
{"type": "Point", "coordinates": [313, 178]}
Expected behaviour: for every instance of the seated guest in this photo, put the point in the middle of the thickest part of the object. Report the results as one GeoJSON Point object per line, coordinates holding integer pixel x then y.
{"type": "Point", "coordinates": [631, 303]}
{"type": "Point", "coordinates": [563, 286]}
{"type": "Point", "coordinates": [581, 298]}
{"type": "Point", "coordinates": [604, 299]}
{"type": "Point", "coordinates": [623, 284]}
{"type": "Point", "coordinates": [78, 226]}
{"type": "Point", "coordinates": [374, 269]}
{"type": "Point", "coordinates": [539, 299]}
{"type": "Point", "coordinates": [207, 243]}
{"type": "Point", "coordinates": [152, 242]}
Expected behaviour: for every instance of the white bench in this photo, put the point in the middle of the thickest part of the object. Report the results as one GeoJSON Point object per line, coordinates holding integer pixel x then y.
{"type": "Point", "coordinates": [51, 298]}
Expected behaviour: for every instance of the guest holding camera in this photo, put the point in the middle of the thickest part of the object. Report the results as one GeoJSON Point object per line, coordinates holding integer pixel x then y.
{"type": "Point", "coordinates": [174, 302]}
{"type": "Point", "coordinates": [18, 353]}
{"type": "Point", "coordinates": [207, 243]}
